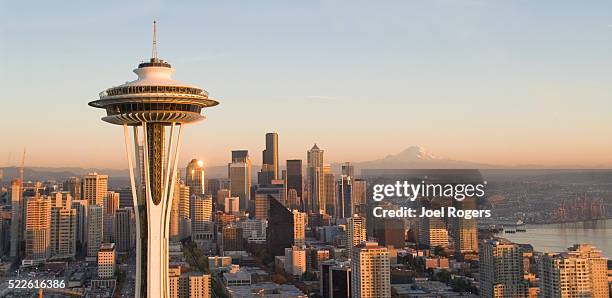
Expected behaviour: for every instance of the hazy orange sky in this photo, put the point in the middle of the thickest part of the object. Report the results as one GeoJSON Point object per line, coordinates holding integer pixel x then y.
{"type": "Point", "coordinates": [506, 83]}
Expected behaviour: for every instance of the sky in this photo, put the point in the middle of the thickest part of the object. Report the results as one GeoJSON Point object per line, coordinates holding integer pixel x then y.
{"type": "Point", "coordinates": [497, 82]}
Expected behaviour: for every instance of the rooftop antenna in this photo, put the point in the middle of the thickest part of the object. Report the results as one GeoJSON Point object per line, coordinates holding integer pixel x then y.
{"type": "Point", "coordinates": [154, 54]}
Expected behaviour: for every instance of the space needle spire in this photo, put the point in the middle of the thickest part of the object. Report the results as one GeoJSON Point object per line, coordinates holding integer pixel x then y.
{"type": "Point", "coordinates": [154, 51]}
{"type": "Point", "coordinates": [156, 108]}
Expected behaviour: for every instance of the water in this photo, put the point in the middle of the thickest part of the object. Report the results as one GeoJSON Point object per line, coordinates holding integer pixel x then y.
{"type": "Point", "coordinates": [558, 237]}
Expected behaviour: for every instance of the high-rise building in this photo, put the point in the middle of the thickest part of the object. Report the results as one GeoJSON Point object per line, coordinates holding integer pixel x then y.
{"type": "Point", "coordinates": [73, 185]}
{"type": "Point", "coordinates": [221, 194]}
{"type": "Point", "coordinates": [252, 228]}
{"type": "Point", "coordinates": [356, 232]}
{"type": "Point", "coordinates": [125, 198]}
{"type": "Point", "coordinates": [295, 182]}
{"type": "Point", "coordinates": [501, 269]}
{"type": "Point", "coordinates": [95, 230]}
{"type": "Point", "coordinates": [348, 169]}
{"type": "Point", "coordinates": [201, 218]}
{"type": "Point", "coordinates": [299, 228]}
{"type": "Point", "coordinates": [232, 205]}
{"type": "Point", "coordinates": [358, 196]}
{"type": "Point", "coordinates": [124, 229]}
{"type": "Point", "coordinates": [371, 274]}
{"type": "Point", "coordinates": [262, 205]}
{"type": "Point", "coordinates": [580, 272]}
{"type": "Point", "coordinates": [63, 226]}
{"type": "Point", "coordinates": [199, 285]}
{"type": "Point", "coordinates": [432, 232]}
{"type": "Point", "coordinates": [111, 203]}
{"type": "Point", "coordinates": [174, 283]}
{"type": "Point", "coordinates": [464, 231]}
{"type": "Point", "coordinates": [329, 185]}
{"type": "Point", "coordinates": [17, 218]}
{"type": "Point", "coordinates": [344, 197]}
{"type": "Point", "coordinates": [175, 221]}
{"type": "Point", "coordinates": [335, 281]}
{"type": "Point", "coordinates": [265, 193]}
{"type": "Point", "coordinates": [269, 168]}
{"type": "Point", "coordinates": [293, 201]}
{"type": "Point", "coordinates": [295, 260]}
{"type": "Point", "coordinates": [390, 231]}
{"type": "Point", "coordinates": [212, 186]}
{"type": "Point", "coordinates": [81, 208]}
{"type": "Point", "coordinates": [280, 232]}
{"type": "Point", "coordinates": [195, 178]}
{"type": "Point", "coordinates": [95, 187]}
{"type": "Point", "coordinates": [106, 260]}
{"type": "Point", "coordinates": [157, 108]}
{"type": "Point", "coordinates": [232, 238]}
{"type": "Point", "coordinates": [239, 174]}
{"type": "Point", "coordinates": [38, 229]}
{"type": "Point", "coordinates": [184, 211]}
{"type": "Point", "coordinates": [316, 180]}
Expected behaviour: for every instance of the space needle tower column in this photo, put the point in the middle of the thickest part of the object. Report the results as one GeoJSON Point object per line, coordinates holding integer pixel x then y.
{"type": "Point", "coordinates": [155, 108]}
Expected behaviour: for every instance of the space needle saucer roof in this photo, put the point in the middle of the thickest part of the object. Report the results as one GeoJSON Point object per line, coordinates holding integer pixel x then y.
{"type": "Point", "coordinates": [153, 97]}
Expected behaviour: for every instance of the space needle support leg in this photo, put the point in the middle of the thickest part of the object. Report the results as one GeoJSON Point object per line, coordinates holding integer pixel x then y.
{"type": "Point", "coordinates": [126, 134]}
{"type": "Point", "coordinates": [170, 182]}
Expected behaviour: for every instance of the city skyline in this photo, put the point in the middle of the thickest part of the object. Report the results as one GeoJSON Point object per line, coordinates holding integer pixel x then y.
{"type": "Point", "coordinates": [524, 85]}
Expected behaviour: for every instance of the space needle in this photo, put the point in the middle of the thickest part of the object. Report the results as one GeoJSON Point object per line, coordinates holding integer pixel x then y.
{"type": "Point", "coordinates": [155, 108]}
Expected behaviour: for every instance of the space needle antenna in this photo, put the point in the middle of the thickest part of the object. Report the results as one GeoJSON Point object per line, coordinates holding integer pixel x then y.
{"type": "Point", "coordinates": [154, 53]}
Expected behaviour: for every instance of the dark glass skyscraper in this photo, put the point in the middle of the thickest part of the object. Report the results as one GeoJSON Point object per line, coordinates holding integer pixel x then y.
{"type": "Point", "coordinates": [295, 179]}
{"type": "Point", "coordinates": [269, 168]}
{"type": "Point", "coordinates": [279, 234]}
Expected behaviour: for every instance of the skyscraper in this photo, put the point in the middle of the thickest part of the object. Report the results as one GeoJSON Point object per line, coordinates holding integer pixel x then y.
{"type": "Point", "coordinates": [111, 203]}
{"type": "Point", "coordinates": [358, 196]}
{"type": "Point", "coordinates": [371, 276]}
{"type": "Point", "coordinates": [269, 168]}
{"type": "Point", "coordinates": [124, 229]}
{"type": "Point", "coordinates": [464, 231]}
{"type": "Point", "coordinates": [95, 187]}
{"type": "Point", "coordinates": [239, 174]}
{"type": "Point", "coordinates": [295, 260]}
{"type": "Point", "coordinates": [344, 197]}
{"type": "Point", "coordinates": [329, 183]}
{"type": "Point", "coordinates": [106, 260]}
{"type": "Point", "coordinates": [17, 219]}
{"type": "Point", "coordinates": [159, 105]}
{"type": "Point", "coordinates": [73, 185]}
{"type": "Point", "coordinates": [432, 232]}
{"type": "Point", "coordinates": [348, 169]}
{"type": "Point", "coordinates": [299, 228]}
{"type": "Point", "coordinates": [201, 218]}
{"type": "Point", "coordinates": [356, 232]}
{"type": "Point", "coordinates": [280, 232]}
{"type": "Point", "coordinates": [390, 231]}
{"type": "Point", "coordinates": [580, 272]}
{"type": "Point", "coordinates": [316, 182]}
{"type": "Point", "coordinates": [95, 230]}
{"type": "Point", "coordinates": [175, 221]}
{"type": "Point", "coordinates": [184, 212]}
{"type": "Point", "coordinates": [195, 178]}
{"type": "Point", "coordinates": [232, 238]}
{"type": "Point", "coordinates": [63, 226]}
{"type": "Point", "coordinates": [38, 229]}
{"type": "Point", "coordinates": [501, 269]}
{"type": "Point", "coordinates": [81, 208]}
{"type": "Point", "coordinates": [295, 182]}
{"type": "Point", "coordinates": [335, 279]}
